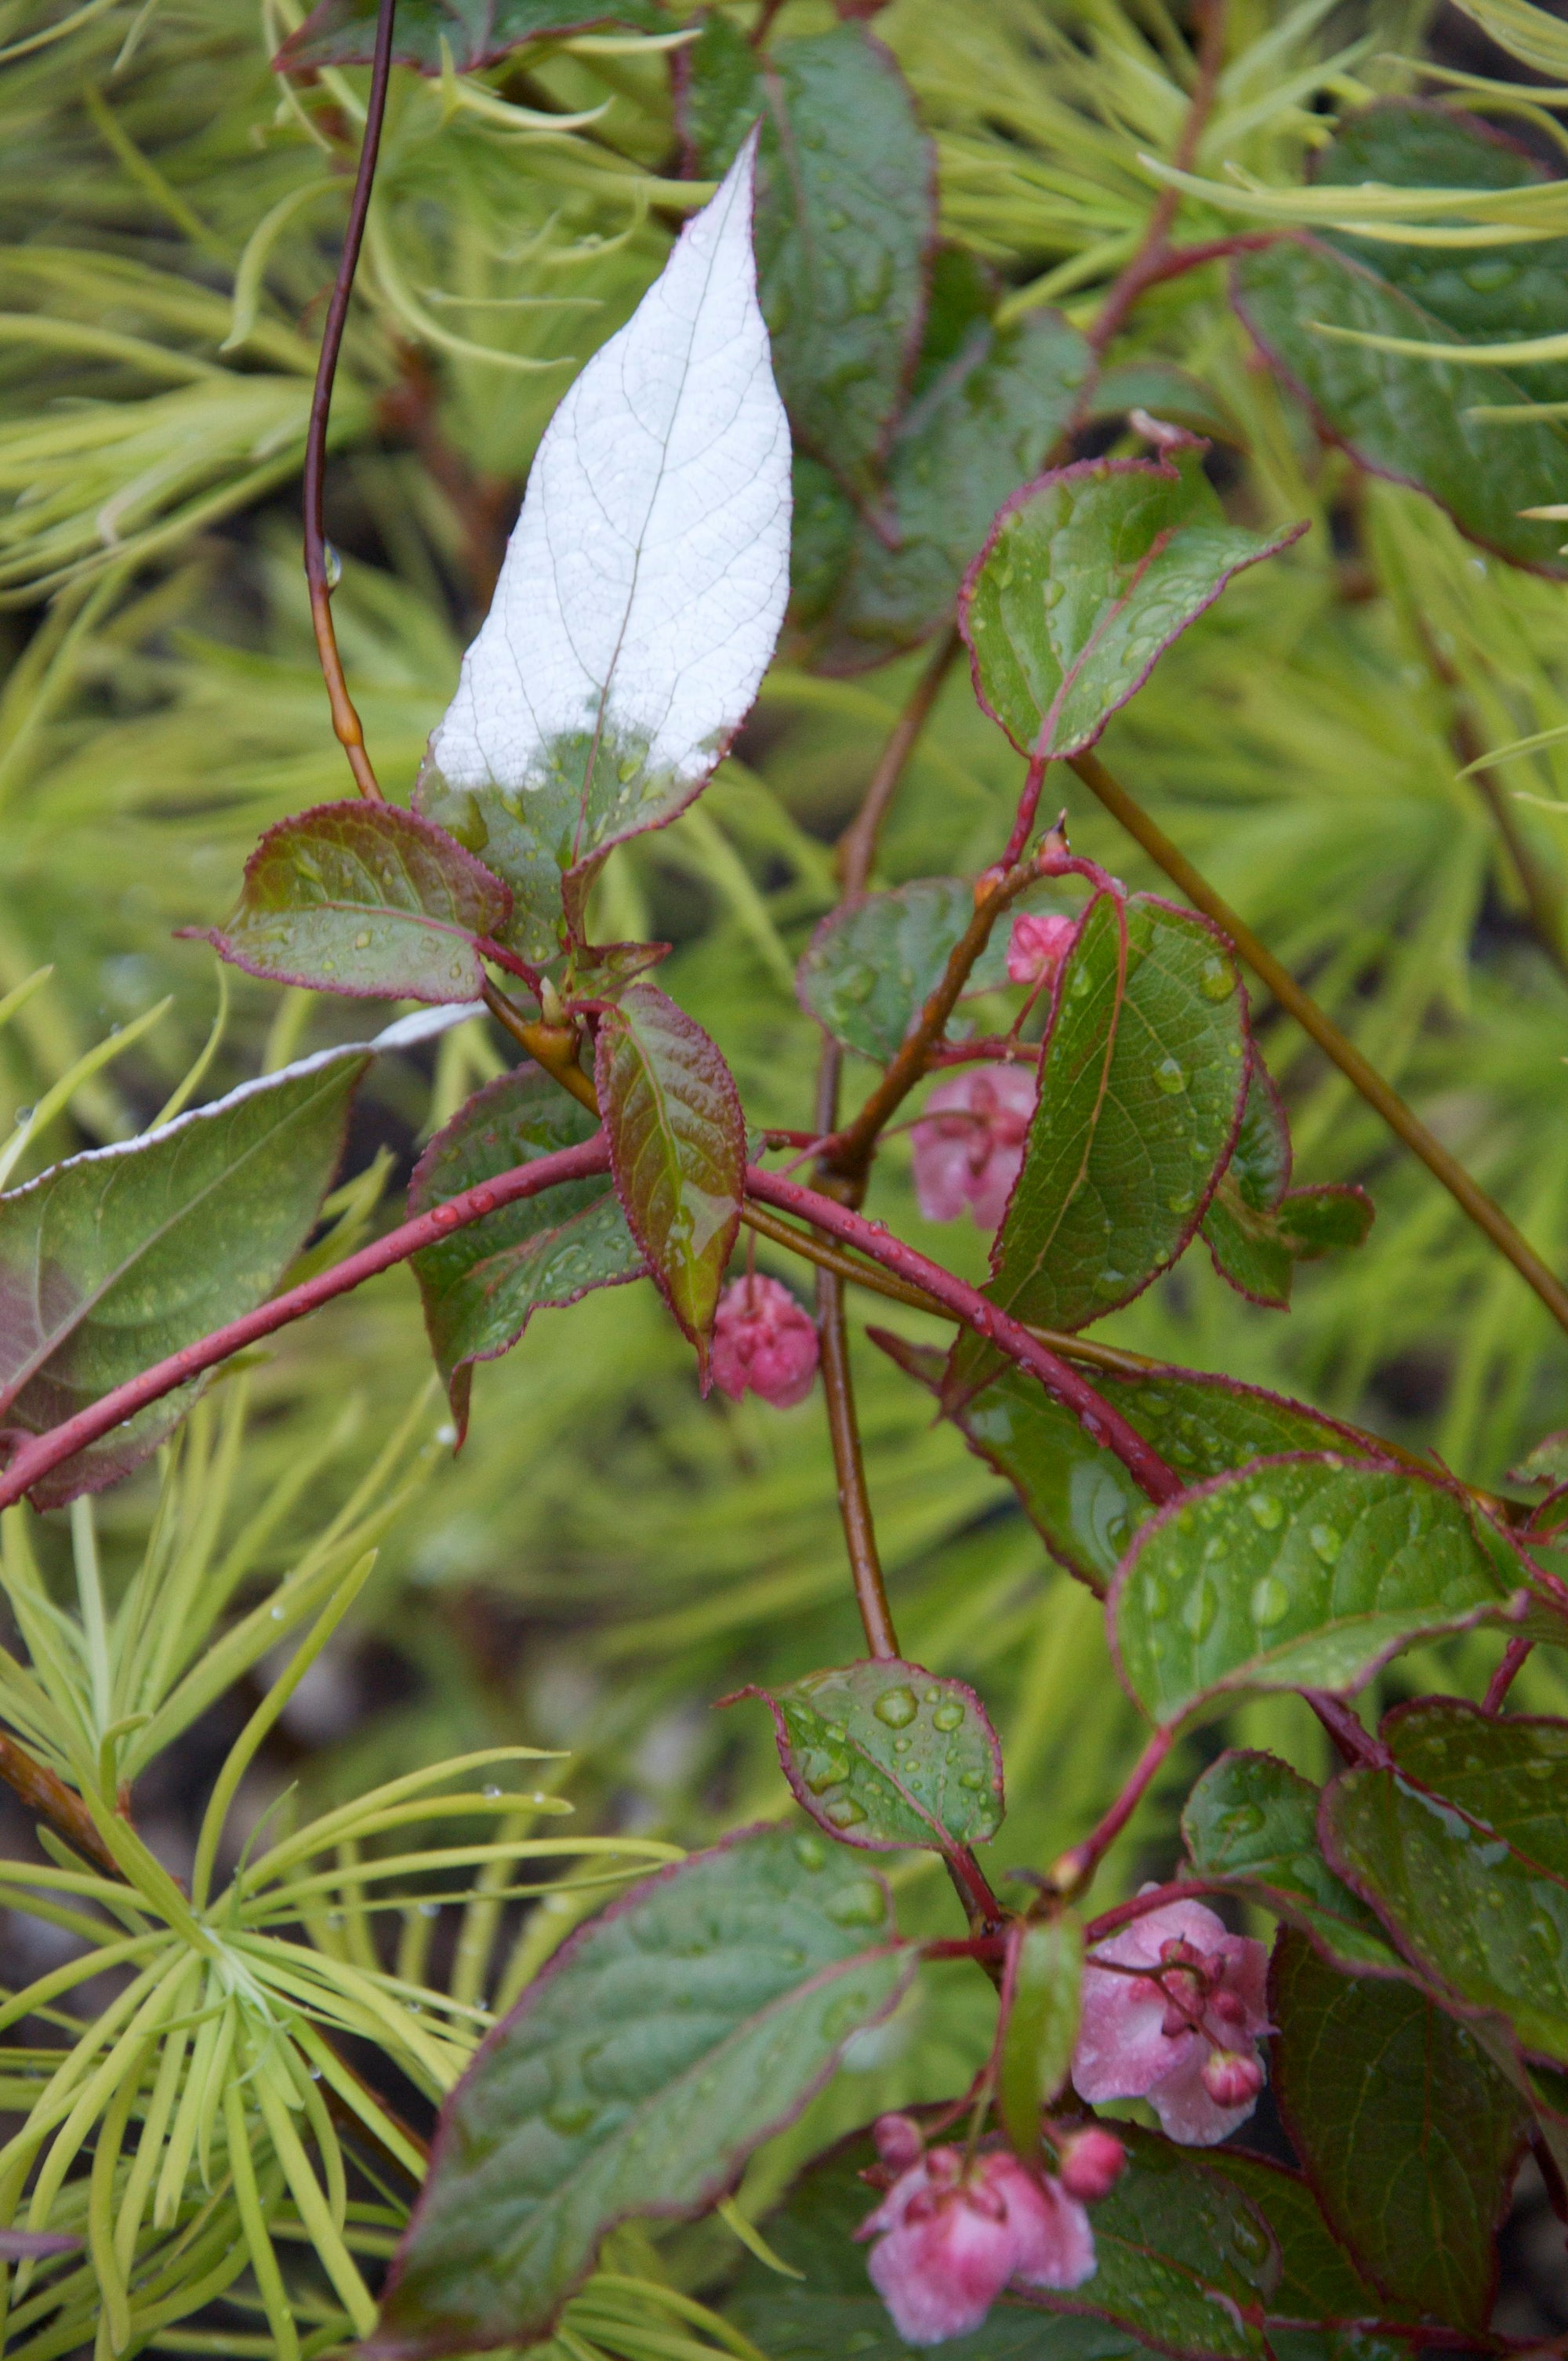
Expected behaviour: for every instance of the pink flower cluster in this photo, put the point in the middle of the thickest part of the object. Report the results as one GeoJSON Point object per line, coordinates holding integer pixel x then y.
{"type": "Point", "coordinates": [968, 1144]}
{"type": "Point", "coordinates": [950, 2240]}
{"type": "Point", "coordinates": [1037, 946]}
{"type": "Point", "coordinates": [762, 1339]}
{"type": "Point", "coordinates": [1182, 2029]}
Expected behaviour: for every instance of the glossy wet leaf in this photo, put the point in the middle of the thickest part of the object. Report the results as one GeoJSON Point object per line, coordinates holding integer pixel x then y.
{"type": "Point", "coordinates": [1088, 577]}
{"type": "Point", "coordinates": [1318, 2279]}
{"type": "Point", "coordinates": [869, 970]}
{"type": "Point", "coordinates": [1045, 1985]}
{"type": "Point", "coordinates": [1258, 1252]}
{"type": "Point", "coordinates": [481, 1286]}
{"type": "Point", "coordinates": [663, 2045]}
{"type": "Point", "coordinates": [118, 1257]}
{"type": "Point", "coordinates": [1301, 1572]}
{"type": "Point", "coordinates": [473, 32]}
{"type": "Point", "coordinates": [1409, 2134]}
{"type": "Point", "coordinates": [641, 591]}
{"type": "Point", "coordinates": [1462, 1847]}
{"type": "Point", "coordinates": [987, 424]}
{"type": "Point", "coordinates": [366, 899]}
{"type": "Point", "coordinates": [833, 2312]}
{"type": "Point", "coordinates": [1181, 2253]}
{"type": "Point", "coordinates": [677, 1146]}
{"type": "Point", "coordinates": [1140, 1090]}
{"type": "Point", "coordinates": [1401, 416]}
{"type": "Point", "coordinates": [846, 219]}
{"type": "Point", "coordinates": [886, 1754]}
{"type": "Point", "coordinates": [1253, 1821]}
{"type": "Point", "coordinates": [1077, 1494]}
{"type": "Point", "coordinates": [1493, 294]}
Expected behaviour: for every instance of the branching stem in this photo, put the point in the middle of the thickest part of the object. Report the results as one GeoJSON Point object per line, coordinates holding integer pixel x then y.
{"type": "Point", "coordinates": [1487, 1215]}
{"type": "Point", "coordinates": [1152, 259]}
{"type": "Point", "coordinates": [1077, 1866]}
{"type": "Point", "coordinates": [854, 1502]}
{"type": "Point", "coordinates": [344, 719]}
{"type": "Point", "coordinates": [1502, 1680]}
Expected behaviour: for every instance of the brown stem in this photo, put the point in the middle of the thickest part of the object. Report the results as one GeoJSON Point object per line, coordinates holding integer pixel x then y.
{"type": "Point", "coordinates": [857, 847]}
{"type": "Point", "coordinates": [554, 1046]}
{"type": "Point", "coordinates": [1487, 1215]}
{"type": "Point", "coordinates": [44, 1792]}
{"type": "Point", "coordinates": [344, 719]}
{"type": "Point", "coordinates": [854, 1502]}
{"type": "Point", "coordinates": [1149, 262]}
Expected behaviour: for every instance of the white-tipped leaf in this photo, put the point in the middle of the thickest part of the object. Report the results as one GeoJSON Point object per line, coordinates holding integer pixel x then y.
{"type": "Point", "coordinates": [642, 588]}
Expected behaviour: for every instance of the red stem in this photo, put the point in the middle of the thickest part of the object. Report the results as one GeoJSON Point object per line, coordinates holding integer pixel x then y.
{"type": "Point", "coordinates": [1502, 1680]}
{"type": "Point", "coordinates": [1078, 1866]}
{"type": "Point", "coordinates": [1099, 1420]}
{"type": "Point", "coordinates": [37, 1457]}
{"type": "Point", "coordinates": [344, 719]}
{"type": "Point", "coordinates": [1154, 1897]}
{"type": "Point", "coordinates": [1355, 1747]}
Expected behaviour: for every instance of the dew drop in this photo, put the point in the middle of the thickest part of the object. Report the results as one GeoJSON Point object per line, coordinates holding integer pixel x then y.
{"type": "Point", "coordinates": [1242, 1821]}
{"type": "Point", "coordinates": [948, 1716]}
{"type": "Point", "coordinates": [1216, 979]}
{"type": "Point", "coordinates": [844, 1812]}
{"type": "Point", "coordinates": [1169, 1076]}
{"type": "Point", "coordinates": [1199, 1612]}
{"type": "Point", "coordinates": [491, 1791]}
{"type": "Point", "coordinates": [822, 1771]}
{"type": "Point", "coordinates": [811, 1852]}
{"type": "Point", "coordinates": [971, 1779]}
{"type": "Point", "coordinates": [1326, 1543]}
{"type": "Point", "coordinates": [1266, 1511]}
{"type": "Point", "coordinates": [982, 1827]}
{"type": "Point", "coordinates": [1181, 1200]}
{"type": "Point", "coordinates": [897, 1708]}
{"type": "Point", "coordinates": [569, 2116]}
{"type": "Point", "coordinates": [931, 1697]}
{"type": "Point", "coordinates": [902, 1745]}
{"type": "Point", "coordinates": [1270, 1602]}
{"type": "Point", "coordinates": [1249, 2241]}
{"type": "Point", "coordinates": [1110, 1282]}
{"type": "Point", "coordinates": [1156, 1598]}
{"type": "Point", "coordinates": [275, 1613]}
{"type": "Point", "coordinates": [362, 939]}
{"type": "Point", "coordinates": [859, 1904]}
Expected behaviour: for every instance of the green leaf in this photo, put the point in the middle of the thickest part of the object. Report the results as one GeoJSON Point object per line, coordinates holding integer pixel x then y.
{"type": "Point", "coordinates": [482, 1285]}
{"type": "Point", "coordinates": [822, 543]}
{"type": "Point", "coordinates": [986, 424]}
{"type": "Point", "coordinates": [660, 2047]}
{"type": "Point", "coordinates": [869, 970]}
{"type": "Point", "coordinates": [1462, 1849]}
{"type": "Point", "coordinates": [677, 1148]}
{"type": "Point", "coordinates": [1301, 1573]}
{"type": "Point", "coordinates": [1399, 415]}
{"type": "Point", "coordinates": [1141, 1085]}
{"type": "Point", "coordinates": [1043, 1991]}
{"type": "Point", "coordinates": [885, 1754]}
{"type": "Point", "coordinates": [474, 32]}
{"type": "Point", "coordinates": [1253, 1821]}
{"type": "Point", "coordinates": [1079, 1495]}
{"type": "Point", "coordinates": [833, 2313]}
{"type": "Point", "coordinates": [365, 899]}
{"type": "Point", "coordinates": [149, 1245]}
{"type": "Point", "coordinates": [1184, 2258]}
{"type": "Point", "coordinates": [1500, 294]}
{"type": "Point", "coordinates": [1258, 1253]}
{"type": "Point", "coordinates": [1408, 2131]}
{"type": "Point", "coordinates": [1166, 392]}
{"type": "Point", "coordinates": [846, 220]}
{"type": "Point", "coordinates": [1318, 2277]}
{"type": "Point", "coordinates": [1086, 578]}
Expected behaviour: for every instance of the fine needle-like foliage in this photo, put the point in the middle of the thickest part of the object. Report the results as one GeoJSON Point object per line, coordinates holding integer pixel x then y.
{"type": "Point", "coordinates": [759, 463]}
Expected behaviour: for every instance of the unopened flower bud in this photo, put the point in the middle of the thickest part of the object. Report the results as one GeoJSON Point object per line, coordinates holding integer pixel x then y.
{"type": "Point", "coordinates": [762, 1339]}
{"type": "Point", "coordinates": [1037, 946]}
{"type": "Point", "coordinates": [986, 884]}
{"type": "Point", "coordinates": [898, 2140]}
{"type": "Point", "coordinates": [1232, 2080]}
{"type": "Point", "coordinates": [1091, 2163]}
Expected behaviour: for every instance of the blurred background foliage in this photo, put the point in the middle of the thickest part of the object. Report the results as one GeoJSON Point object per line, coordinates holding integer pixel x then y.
{"type": "Point", "coordinates": [610, 1555]}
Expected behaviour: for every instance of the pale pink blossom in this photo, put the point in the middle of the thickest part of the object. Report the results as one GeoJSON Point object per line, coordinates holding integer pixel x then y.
{"type": "Point", "coordinates": [947, 2242]}
{"type": "Point", "coordinates": [1186, 2036]}
{"type": "Point", "coordinates": [968, 1144]}
{"type": "Point", "coordinates": [1091, 2163]}
{"type": "Point", "coordinates": [762, 1338]}
{"type": "Point", "coordinates": [1037, 945]}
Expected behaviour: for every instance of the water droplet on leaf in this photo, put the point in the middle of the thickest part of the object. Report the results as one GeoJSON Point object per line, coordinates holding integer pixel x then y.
{"type": "Point", "coordinates": [897, 1708]}
{"type": "Point", "coordinates": [948, 1716]}
{"type": "Point", "coordinates": [1326, 1543]}
{"type": "Point", "coordinates": [1266, 1510]}
{"type": "Point", "coordinates": [1270, 1602]}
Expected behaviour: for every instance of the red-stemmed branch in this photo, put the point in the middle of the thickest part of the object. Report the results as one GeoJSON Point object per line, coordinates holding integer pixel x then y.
{"type": "Point", "coordinates": [35, 1457]}
{"type": "Point", "coordinates": [344, 719]}
{"type": "Point", "coordinates": [1077, 1865]}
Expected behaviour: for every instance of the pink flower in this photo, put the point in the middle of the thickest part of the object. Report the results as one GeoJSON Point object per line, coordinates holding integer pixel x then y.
{"type": "Point", "coordinates": [1184, 2037]}
{"type": "Point", "coordinates": [968, 1144]}
{"type": "Point", "coordinates": [762, 1338]}
{"type": "Point", "coordinates": [1037, 946]}
{"type": "Point", "coordinates": [1091, 2163]}
{"type": "Point", "coordinates": [948, 2243]}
